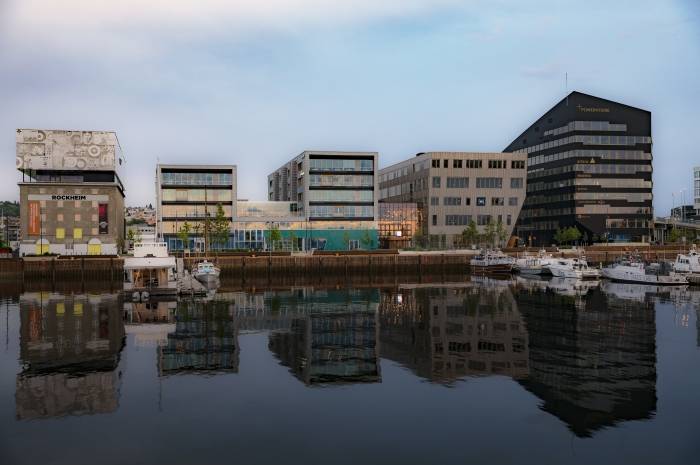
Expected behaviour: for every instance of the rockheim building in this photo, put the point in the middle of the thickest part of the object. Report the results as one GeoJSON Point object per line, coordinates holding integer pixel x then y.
{"type": "Point", "coordinates": [71, 194]}
{"type": "Point", "coordinates": [589, 165]}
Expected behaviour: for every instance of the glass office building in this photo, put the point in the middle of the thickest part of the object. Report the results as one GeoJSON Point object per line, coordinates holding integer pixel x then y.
{"type": "Point", "coordinates": [589, 165]}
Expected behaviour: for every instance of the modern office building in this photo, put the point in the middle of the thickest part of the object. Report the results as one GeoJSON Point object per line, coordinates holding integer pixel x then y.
{"type": "Point", "coordinates": [398, 224]}
{"type": "Point", "coordinates": [188, 194]}
{"type": "Point", "coordinates": [335, 193]}
{"type": "Point", "coordinates": [452, 189]}
{"type": "Point", "coordinates": [696, 189]}
{"type": "Point", "coordinates": [71, 194]}
{"type": "Point", "coordinates": [589, 165]}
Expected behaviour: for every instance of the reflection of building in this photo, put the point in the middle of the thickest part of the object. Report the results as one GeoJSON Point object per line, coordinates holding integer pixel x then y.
{"type": "Point", "coordinates": [330, 348]}
{"type": "Point", "coordinates": [70, 347]}
{"type": "Point", "coordinates": [589, 165]}
{"type": "Point", "coordinates": [593, 366]}
{"type": "Point", "coordinates": [71, 196]}
{"type": "Point", "coordinates": [398, 223]}
{"type": "Point", "coordinates": [150, 322]}
{"type": "Point", "coordinates": [205, 340]}
{"type": "Point", "coordinates": [446, 333]}
{"type": "Point", "coordinates": [454, 188]}
{"type": "Point", "coordinates": [696, 190]}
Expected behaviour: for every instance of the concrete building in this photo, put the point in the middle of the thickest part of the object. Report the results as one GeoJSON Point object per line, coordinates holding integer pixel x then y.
{"type": "Point", "coordinates": [696, 190]}
{"type": "Point", "coordinates": [335, 194]}
{"type": "Point", "coordinates": [454, 188]}
{"type": "Point", "coordinates": [71, 194]}
{"type": "Point", "coordinates": [188, 194]}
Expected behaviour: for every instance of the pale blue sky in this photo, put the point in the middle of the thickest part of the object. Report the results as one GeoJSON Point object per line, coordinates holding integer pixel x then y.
{"type": "Point", "coordinates": [254, 83]}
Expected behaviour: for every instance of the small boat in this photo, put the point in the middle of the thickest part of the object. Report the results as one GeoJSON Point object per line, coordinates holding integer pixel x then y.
{"type": "Point", "coordinates": [206, 273]}
{"type": "Point", "coordinates": [688, 263]}
{"type": "Point", "coordinates": [492, 261]}
{"type": "Point", "coordinates": [534, 265]}
{"type": "Point", "coordinates": [572, 268]}
{"type": "Point", "coordinates": [634, 271]}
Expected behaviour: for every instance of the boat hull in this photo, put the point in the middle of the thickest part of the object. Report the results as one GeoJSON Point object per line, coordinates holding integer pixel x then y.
{"type": "Point", "coordinates": [500, 268]}
{"type": "Point", "coordinates": [207, 278]}
{"type": "Point", "coordinates": [639, 278]}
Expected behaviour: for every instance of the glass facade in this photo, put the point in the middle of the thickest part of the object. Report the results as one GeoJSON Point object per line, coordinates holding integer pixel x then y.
{"type": "Point", "coordinates": [590, 170]}
{"type": "Point", "coordinates": [340, 164]}
{"type": "Point", "coordinates": [196, 179]}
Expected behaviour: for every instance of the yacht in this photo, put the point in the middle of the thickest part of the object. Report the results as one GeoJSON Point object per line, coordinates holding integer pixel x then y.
{"type": "Point", "coordinates": [572, 268]}
{"type": "Point", "coordinates": [537, 264]}
{"type": "Point", "coordinates": [150, 271]}
{"type": "Point", "coordinates": [635, 271]}
{"type": "Point", "coordinates": [492, 261]}
{"type": "Point", "coordinates": [688, 263]}
{"type": "Point", "coordinates": [206, 272]}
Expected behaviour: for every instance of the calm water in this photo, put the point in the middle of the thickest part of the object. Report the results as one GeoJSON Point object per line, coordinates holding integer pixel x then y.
{"type": "Point", "coordinates": [520, 371]}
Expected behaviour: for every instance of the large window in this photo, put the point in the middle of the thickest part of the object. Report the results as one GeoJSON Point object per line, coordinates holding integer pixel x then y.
{"type": "Point", "coordinates": [434, 201]}
{"type": "Point", "coordinates": [489, 183]}
{"type": "Point", "coordinates": [452, 201]}
{"type": "Point", "coordinates": [436, 181]}
{"type": "Point", "coordinates": [341, 211]}
{"type": "Point", "coordinates": [196, 195]}
{"type": "Point", "coordinates": [516, 183]}
{"type": "Point", "coordinates": [344, 180]}
{"type": "Point", "coordinates": [459, 183]}
{"type": "Point", "coordinates": [340, 196]}
{"type": "Point", "coordinates": [457, 220]}
{"type": "Point", "coordinates": [340, 164]}
{"type": "Point", "coordinates": [197, 179]}
{"type": "Point", "coordinates": [497, 201]}
{"type": "Point", "coordinates": [483, 220]}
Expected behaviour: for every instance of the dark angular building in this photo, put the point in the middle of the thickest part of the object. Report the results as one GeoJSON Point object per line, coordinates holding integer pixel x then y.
{"type": "Point", "coordinates": [590, 166]}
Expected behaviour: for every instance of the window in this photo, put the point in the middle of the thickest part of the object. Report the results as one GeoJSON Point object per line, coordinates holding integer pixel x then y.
{"type": "Point", "coordinates": [460, 183]}
{"type": "Point", "coordinates": [353, 244]}
{"type": "Point", "coordinates": [60, 233]}
{"type": "Point", "coordinates": [474, 164]}
{"type": "Point", "coordinates": [434, 201]}
{"type": "Point", "coordinates": [435, 163]}
{"type": "Point", "coordinates": [481, 201]}
{"type": "Point", "coordinates": [496, 164]}
{"type": "Point", "coordinates": [77, 233]}
{"type": "Point", "coordinates": [436, 181]}
{"type": "Point", "coordinates": [434, 220]}
{"type": "Point", "coordinates": [512, 201]}
{"type": "Point", "coordinates": [467, 201]}
{"type": "Point", "coordinates": [517, 164]}
{"type": "Point", "coordinates": [457, 220]}
{"type": "Point", "coordinates": [456, 163]}
{"type": "Point", "coordinates": [483, 220]}
{"type": "Point", "coordinates": [445, 163]}
{"type": "Point", "coordinates": [497, 201]}
{"type": "Point", "coordinates": [489, 183]}
{"type": "Point", "coordinates": [508, 220]}
{"type": "Point", "coordinates": [516, 183]}
{"type": "Point", "coordinates": [452, 201]}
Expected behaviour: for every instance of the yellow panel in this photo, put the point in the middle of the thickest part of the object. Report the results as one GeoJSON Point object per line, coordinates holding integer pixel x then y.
{"type": "Point", "coordinates": [94, 249]}
{"type": "Point", "coordinates": [78, 308]}
{"type": "Point", "coordinates": [42, 249]}
{"type": "Point", "coordinates": [60, 233]}
{"type": "Point", "coordinates": [60, 308]}
{"type": "Point", "coordinates": [77, 233]}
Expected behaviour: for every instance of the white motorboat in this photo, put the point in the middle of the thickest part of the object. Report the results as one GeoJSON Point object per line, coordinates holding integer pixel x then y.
{"type": "Point", "coordinates": [206, 272]}
{"type": "Point", "coordinates": [151, 270]}
{"type": "Point", "coordinates": [537, 264]}
{"type": "Point", "coordinates": [492, 261]}
{"type": "Point", "coordinates": [572, 268]}
{"type": "Point", "coordinates": [637, 272]}
{"type": "Point", "coordinates": [687, 263]}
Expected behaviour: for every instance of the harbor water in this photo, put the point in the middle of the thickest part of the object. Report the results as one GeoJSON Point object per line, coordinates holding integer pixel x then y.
{"type": "Point", "coordinates": [479, 370]}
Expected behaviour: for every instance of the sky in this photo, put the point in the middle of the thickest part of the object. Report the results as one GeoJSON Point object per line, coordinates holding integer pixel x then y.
{"type": "Point", "coordinates": [254, 83]}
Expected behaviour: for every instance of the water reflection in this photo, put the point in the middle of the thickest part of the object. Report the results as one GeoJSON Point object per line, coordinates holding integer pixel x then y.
{"type": "Point", "coordinates": [70, 347]}
{"type": "Point", "coordinates": [592, 361]}
{"type": "Point", "coordinates": [587, 353]}
{"type": "Point", "coordinates": [444, 333]}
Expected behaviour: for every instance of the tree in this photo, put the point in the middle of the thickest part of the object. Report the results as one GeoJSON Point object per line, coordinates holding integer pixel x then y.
{"type": "Point", "coordinates": [560, 236]}
{"type": "Point", "coordinates": [220, 227]}
{"type": "Point", "coordinates": [573, 234]}
{"type": "Point", "coordinates": [490, 233]}
{"type": "Point", "coordinates": [501, 232]}
{"type": "Point", "coordinates": [130, 236]}
{"type": "Point", "coordinates": [275, 235]}
{"type": "Point", "coordinates": [366, 239]}
{"type": "Point", "coordinates": [470, 233]}
{"type": "Point", "coordinates": [184, 235]}
{"type": "Point", "coordinates": [673, 235]}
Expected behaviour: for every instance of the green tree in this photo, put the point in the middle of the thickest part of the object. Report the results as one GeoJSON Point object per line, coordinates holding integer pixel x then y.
{"type": "Point", "coordinates": [470, 235]}
{"type": "Point", "coordinates": [490, 233]}
{"type": "Point", "coordinates": [130, 236]}
{"type": "Point", "coordinates": [275, 235]}
{"type": "Point", "coordinates": [366, 239]}
{"type": "Point", "coordinates": [220, 227]}
{"type": "Point", "coordinates": [573, 234]}
{"type": "Point", "coordinates": [184, 235]}
{"type": "Point", "coordinates": [673, 235]}
{"type": "Point", "coordinates": [501, 232]}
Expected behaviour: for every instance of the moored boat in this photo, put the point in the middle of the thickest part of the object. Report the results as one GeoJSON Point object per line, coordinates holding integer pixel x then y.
{"type": "Point", "coordinates": [492, 261]}
{"type": "Point", "coordinates": [631, 271]}
{"type": "Point", "coordinates": [687, 263]}
{"type": "Point", "coordinates": [572, 268]}
{"type": "Point", "coordinates": [535, 265]}
{"type": "Point", "coordinates": [206, 272]}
